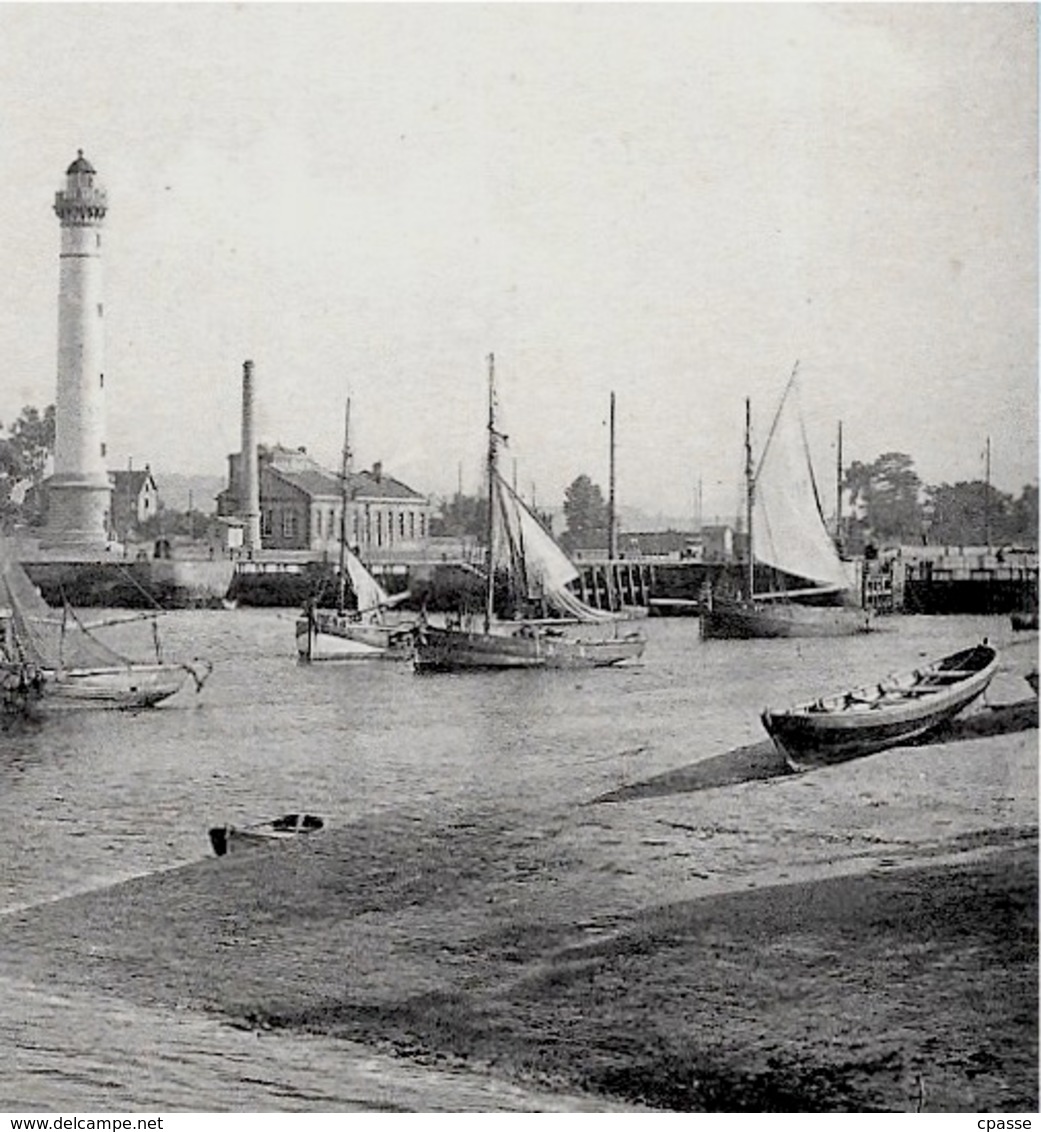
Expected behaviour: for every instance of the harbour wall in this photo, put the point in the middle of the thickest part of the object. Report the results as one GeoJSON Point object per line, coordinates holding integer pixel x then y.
{"type": "Point", "coordinates": [664, 588]}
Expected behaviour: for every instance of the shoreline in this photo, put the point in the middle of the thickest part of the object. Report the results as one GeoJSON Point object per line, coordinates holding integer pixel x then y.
{"type": "Point", "coordinates": [781, 943]}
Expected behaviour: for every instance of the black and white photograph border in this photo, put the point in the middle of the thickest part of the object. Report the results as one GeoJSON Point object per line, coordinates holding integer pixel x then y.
{"type": "Point", "coordinates": [518, 559]}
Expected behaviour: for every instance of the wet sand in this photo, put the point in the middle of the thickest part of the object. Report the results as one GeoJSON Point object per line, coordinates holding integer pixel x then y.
{"type": "Point", "coordinates": [725, 937]}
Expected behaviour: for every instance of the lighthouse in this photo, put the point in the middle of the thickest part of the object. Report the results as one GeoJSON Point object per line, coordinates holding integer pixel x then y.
{"type": "Point", "coordinates": [78, 493]}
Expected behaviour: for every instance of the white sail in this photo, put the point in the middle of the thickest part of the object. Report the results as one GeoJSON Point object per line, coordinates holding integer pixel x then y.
{"type": "Point", "coordinates": [539, 569]}
{"type": "Point", "coordinates": [369, 593]}
{"type": "Point", "coordinates": [788, 530]}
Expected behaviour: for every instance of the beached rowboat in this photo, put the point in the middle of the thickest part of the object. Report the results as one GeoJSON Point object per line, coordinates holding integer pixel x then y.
{"type": "Point", "coordinates": [872, 718]}
{"type": "Point", "coordinates": [224, 838]}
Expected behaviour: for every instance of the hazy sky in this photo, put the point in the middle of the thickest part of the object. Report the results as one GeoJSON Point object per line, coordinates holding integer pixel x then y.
{"type": "Point", "coordinates": [674, 202]}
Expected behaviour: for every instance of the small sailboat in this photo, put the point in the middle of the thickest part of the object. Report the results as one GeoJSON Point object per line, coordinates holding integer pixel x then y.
{"type": "Point", "coordinates": [289, 827]}
{"type": "Point", "coordinates": [74, 667]}
{"type": "Point", "coordinates": [519, 549]}
{"type": "Point", "coordinates": [364, 632]}
{"type": "Point", "coordinates": [873, 718]}
{"type": "Point", "coordinates": [786, 531]}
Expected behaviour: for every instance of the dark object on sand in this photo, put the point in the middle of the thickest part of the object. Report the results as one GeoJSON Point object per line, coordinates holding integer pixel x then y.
{"type": "Point", "coordinates": [224, 838]}
{"type": "Point", "coordinates": [1031, 679]}
{"type": "Point", "coordinates": [864, 720]}
{"type": "Point", "coordinates": [1025, 619]}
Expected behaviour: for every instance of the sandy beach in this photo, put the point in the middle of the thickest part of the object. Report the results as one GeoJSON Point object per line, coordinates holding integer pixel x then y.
{"type": "Point", "coordinates": [723, 937]}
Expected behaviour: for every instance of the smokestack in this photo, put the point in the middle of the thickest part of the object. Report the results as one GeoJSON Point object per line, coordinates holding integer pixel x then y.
{"type": "Point", "coordinates": [249, 503]}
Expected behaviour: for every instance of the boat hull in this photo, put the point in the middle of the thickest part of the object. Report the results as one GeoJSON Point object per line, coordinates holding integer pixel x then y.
{"type": "Point", "coordinates": [450, 650]}
{"type": "Point", "coordinates": [228, 838]}
{"type": "Point", "coordinates": [332, 637]}
{"type": "Point", "coordinates": [874, 719]}
{"type": "Point", "coordinates": [745, 621]}
{"type": "Point", "coordinates": [132, 686]}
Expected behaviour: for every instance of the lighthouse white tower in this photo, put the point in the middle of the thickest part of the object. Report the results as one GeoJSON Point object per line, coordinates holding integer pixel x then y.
{"type": "Point", "coordinates": [78, 493]}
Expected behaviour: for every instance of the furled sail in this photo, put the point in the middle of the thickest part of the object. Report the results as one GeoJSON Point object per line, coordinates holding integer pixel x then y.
{"type": "Point", "coordinates": [539, 569]}
{"type": "Point", "coordinates": [788, 529]}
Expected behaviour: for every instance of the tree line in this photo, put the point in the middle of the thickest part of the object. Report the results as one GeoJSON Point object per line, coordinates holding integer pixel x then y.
{"type": "Point", "coordinates": [889, 504]}
{"type": "Point", "coordinates": [885, 503]}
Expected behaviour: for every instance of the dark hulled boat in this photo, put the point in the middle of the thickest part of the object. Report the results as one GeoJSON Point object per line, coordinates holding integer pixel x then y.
{"type": "Point", "coordinates": [872, 718]}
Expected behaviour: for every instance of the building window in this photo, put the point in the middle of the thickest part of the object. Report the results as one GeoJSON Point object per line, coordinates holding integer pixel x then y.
{"type": "Point", "coordinates": [104, 451]}
{"type": "Point", "coordinates": [379, 528]}
{"type": "Point", "coordinates": [266, 523]}
{"type": "Point", "coordinates": [422, 526]}
{"type": "Point", "coordinates": [101, 379]}
{"type": "Point", "coordinates": [288, 524]}
{"type": "Point", "coordinates": [401, 523]}
{"type": "Point", "coordinates": [411, 524]}
{"type": "Point", "coordinates": [332, 521]}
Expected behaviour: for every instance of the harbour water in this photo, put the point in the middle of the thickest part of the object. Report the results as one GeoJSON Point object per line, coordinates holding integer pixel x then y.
{"type": "Point", "coordinates": [95, 797]}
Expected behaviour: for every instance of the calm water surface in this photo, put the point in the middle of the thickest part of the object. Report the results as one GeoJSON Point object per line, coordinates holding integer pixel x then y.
{"type": "Point", "coordinates": [93, 797]}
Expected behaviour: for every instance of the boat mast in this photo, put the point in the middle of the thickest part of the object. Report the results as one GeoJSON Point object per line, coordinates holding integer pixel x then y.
{"type": "Point", "coordinates": [345, 493]}
{"type": "Point", "coordinates": [986, 500]}
{"type": "Point", "coordinates": [612, 524]}
{"type": "Point", "coordinates": [489, 554]}
{"type": "Point", "coordinates": [838, 493]}
{"type": "Point", "coordinates": [749, 495]}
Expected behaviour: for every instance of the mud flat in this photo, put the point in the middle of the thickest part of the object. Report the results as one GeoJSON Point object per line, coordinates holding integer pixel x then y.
{"type": "Point", "coordinates": [862, 938]}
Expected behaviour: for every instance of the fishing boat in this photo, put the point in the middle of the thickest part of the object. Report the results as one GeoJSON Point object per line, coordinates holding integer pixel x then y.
{"type": "Point", "coordinates": [877, 716]}
{"type": "Point", "coordinates": [786, 533]}
{"type": "Point", "coordinates": [366, 631]}
{"type": "Point", "coordinates": [75, 667]}
{"type": "Point", "coordinates": [225, 838]}
{"type": "Point", "coordinates": [536, 572]}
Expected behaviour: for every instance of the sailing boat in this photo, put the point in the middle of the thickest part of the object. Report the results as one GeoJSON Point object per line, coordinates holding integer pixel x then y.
{"type": "Point", "coordinates": [518, 546]}
{"type": "Point", "coordinates": [362, 633]}
{"type": "Point", "coordinates": [75, 667]}
{"type": "Point", "coordinates": [786, 531]}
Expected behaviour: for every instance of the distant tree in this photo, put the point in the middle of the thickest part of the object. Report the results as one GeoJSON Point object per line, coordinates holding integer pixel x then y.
{"type": "Point", "coordinates": [33, 435]}
{"type": "Point", "coordinates": [23, 463]}
{"type": "Point", "coordinates": [10, 477]}
{"type": "Point", "coordinates": [887, 495]}
{"type": "Point", "coordinates": [1024, 516]}
{"type": "Point", "coordinates": [585, 513]}
{"type": "Point", "coordinates": [462, 516]}
{"type": "Point", "coordinates": [970, 513]}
